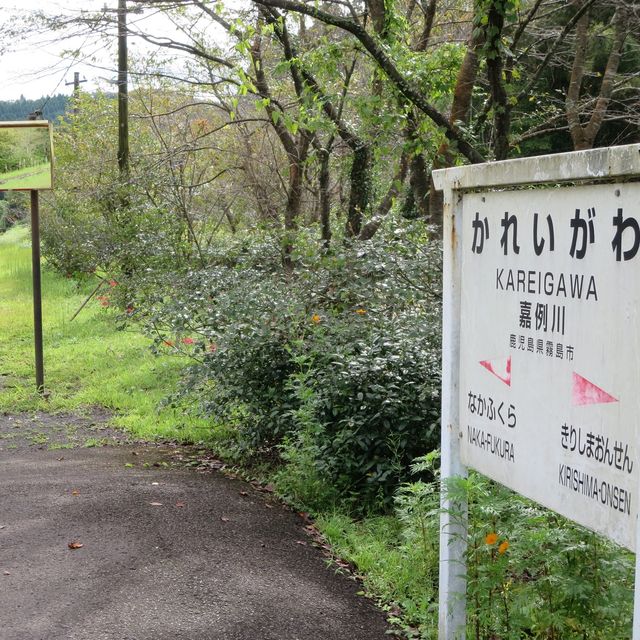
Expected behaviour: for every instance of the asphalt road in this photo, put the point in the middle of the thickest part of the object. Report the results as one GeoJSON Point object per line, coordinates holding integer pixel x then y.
{"type": "Point", "coordinates": [162, 552]}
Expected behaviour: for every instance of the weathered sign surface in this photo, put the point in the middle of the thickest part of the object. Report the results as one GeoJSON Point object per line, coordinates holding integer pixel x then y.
{"type": "Point", "coordinates": [549, 343]}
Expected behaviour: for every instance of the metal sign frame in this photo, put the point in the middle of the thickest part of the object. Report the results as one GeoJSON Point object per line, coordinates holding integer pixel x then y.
{"type": "Point", "coordinates": [35, 245]}
{"type": "Point", "coordinates": [592, 166]}
{"type": "Point", "coordinates": [33, 124]}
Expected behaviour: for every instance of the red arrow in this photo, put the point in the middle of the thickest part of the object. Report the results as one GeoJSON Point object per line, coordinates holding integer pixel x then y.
{"type": "Point", "coordinates": [501, 368]}
{"type": "Point", "coordinates": [585, 392]}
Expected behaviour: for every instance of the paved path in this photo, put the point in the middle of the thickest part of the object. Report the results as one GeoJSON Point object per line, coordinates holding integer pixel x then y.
{"type": "Point", "coordinates": [167, 553]}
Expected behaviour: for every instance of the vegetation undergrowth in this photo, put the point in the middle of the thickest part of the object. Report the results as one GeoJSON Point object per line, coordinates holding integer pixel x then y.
{"type": "Point", "coordinates": [530, 572]}
{"type": "Point", "coordinates": [87, 361]}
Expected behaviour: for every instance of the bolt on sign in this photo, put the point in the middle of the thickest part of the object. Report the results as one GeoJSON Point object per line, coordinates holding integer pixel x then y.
{"type": "Point", "coordinates": [541, 378]}
{"type": "Point", "coordinates": [26, 155]}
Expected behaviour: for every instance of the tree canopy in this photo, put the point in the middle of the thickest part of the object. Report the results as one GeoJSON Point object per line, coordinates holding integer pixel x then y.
{"type": "Point", "coordinates": [52, 108]}
{"type": "Point", "coordinates": [358, 101]}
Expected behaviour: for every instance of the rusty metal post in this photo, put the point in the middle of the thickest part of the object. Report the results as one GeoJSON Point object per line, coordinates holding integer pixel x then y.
{"type": "Point", "coordinates": [37, 289]}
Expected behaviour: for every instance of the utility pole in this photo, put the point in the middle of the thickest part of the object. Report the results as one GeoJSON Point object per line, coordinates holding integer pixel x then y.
{"type": "Point", "coordinates": [123, 92]}
{"type": "Point", "coordinates": [76, 89]}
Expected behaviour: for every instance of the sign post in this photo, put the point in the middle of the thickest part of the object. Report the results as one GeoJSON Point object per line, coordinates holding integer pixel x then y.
{"type": "Point", "coordinates": [540, 345]}
{"type": "Point", "coordinates": [453, 521]}
{"type": "Point", "coordinates": [37, 290]}
{"type": "Point", "coordinates": [26, 160]}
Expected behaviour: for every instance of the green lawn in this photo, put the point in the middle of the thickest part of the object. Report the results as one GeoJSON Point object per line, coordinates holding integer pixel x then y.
{"type": "Point", "coordinates": [87, 361]}
{"type": "Point", "coordinates": [36, 177]}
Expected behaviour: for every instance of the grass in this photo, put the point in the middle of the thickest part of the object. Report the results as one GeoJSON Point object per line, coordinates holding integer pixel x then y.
{"type": "Point", "coordinates": [391, 567]}
{"type": "Point", "coordinates": [36, 177]}
{"type": "Point", "coordinates": [88, 362]}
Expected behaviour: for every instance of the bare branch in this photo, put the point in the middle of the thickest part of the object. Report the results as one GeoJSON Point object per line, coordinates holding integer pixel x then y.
{"type": "Point", "coordinates": [545, 62]}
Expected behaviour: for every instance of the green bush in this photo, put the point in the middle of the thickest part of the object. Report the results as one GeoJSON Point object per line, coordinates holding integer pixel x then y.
{"type": "Point", "coordinates": [14, 207]}
{"type": "Point", "coordinates": [530, 572]}
{"type": "Point", "coordinates": [332, 369]}
{"type": "Point", "coordinates": [5, 221]}
{"type": "Point", "coordinates": [375, 400]}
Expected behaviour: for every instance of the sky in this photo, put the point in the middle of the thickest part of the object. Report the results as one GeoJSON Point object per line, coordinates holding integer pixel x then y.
{"type": "Point", "coordinates": [36, 68]}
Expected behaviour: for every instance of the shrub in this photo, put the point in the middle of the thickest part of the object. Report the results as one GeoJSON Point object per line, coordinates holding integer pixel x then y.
{"type": "Point", "coordinates": [14, 207]}
{"type": "Point", "coordinates": [375, 399]}
{"type": "Point", "coordinates": [530, 572]}
{"type": "Point", "coordinates": [333, 369]}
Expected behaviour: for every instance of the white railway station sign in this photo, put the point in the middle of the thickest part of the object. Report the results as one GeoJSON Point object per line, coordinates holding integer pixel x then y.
{"type": "Point", "coordinates": [541, 349]}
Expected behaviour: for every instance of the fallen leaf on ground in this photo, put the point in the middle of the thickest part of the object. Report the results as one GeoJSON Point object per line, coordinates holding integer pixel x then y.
{"type": "Point", "coordinates": [224, 519]}
{"type": "Point", "coordinates": [75, 545]}
{"type": "Point", "coordinates": [301, 542]}
{"type": "Point", "coordinates": [75, 492]}
{"type": "Point", "coordinates": [156, 504]}
{"type": "Point", "coordinates": [179, 505]}
{"type": "Point", "coordinates": [244, 493]}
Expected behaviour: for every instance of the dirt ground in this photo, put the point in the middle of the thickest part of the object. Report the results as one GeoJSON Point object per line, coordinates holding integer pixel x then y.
{"type": "Point", "coordinates": [43, 431]}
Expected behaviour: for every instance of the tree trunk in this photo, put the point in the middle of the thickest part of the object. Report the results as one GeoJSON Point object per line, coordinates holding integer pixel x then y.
{"type": "Point", "coordinates": [419, 181]}
{"type": "Point", "coordinates": [369, 229]}
{"type": "Point", "coordinates": [429, 16]}
{"type": "Point", "coordinates": [296, 149]}
{"type": "Point", "coordinates": [495, 68]}
{"type": "Point", "coordinates": [460, 109]}
{"type": "Point", "coordinates": [360, 189]}
{"type": "Point", "coordinates": [575, 83]}
{"type": "Point", "coordinates": [418, 198]}
{"type": "Point", "coordinates": [325, 199]}
{"type": "Point", "coordinates": [584, 137]}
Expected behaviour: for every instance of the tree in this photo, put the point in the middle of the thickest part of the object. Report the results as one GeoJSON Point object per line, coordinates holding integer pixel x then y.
{"type": "Point", "coordinates": [584, 135]}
